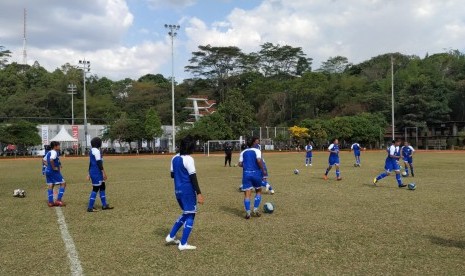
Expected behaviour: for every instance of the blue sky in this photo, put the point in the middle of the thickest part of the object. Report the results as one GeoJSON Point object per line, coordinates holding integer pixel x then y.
{"type": "Point", "coordinates": [126, 38]}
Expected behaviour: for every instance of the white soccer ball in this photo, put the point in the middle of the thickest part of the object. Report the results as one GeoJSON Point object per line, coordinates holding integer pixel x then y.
{"type": "Point", "coordinates": [268, 207]}
{"type": "Point", "coordinates": [404, 173]}
{"type": "Point", "coordinates": [19, 193]}
{"type": "Point", "coordinates": [296, 171]}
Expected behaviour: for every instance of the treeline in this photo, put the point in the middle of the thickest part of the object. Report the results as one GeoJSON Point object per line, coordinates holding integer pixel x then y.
{"type": "Point", "coordinates": [275, 86]}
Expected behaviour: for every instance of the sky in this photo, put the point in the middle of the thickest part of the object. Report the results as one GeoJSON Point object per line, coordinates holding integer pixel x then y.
{"type": "Point", "coordinates": [127, 38]}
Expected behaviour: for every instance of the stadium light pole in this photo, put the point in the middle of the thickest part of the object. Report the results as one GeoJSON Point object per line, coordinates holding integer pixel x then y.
{"type": "Point", "coordinates": [85, 68]}
{"type": "Point", "coordinates": [72, 91]}
{"type": "Point", "coordinates": [392, 99]}
{"type": "Point", "coordinates": [172, 33]}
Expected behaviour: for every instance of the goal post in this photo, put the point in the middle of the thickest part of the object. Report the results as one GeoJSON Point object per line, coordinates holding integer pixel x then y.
{"type": "Point", "coordinates": [217, 146]}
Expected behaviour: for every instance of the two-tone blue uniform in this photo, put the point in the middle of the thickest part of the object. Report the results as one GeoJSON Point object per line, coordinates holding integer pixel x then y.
{"type": "Point", "coordinates": [53, 177]}
{"type": "Point", "coordinates": [407, 152]}
{"type": "Point", "coordinates": [391, 163]}
{"type": "Point", "coordinates": [309, 151]}
{"type": "Point", "coordinates": [252, 174]}
{"type": "Point", "coordinates": [182, 166]}
{"type": "Point", "coordinates": [333, 156]}
{"type": "Point", "coordinates": [95, 173]}
{"type": "Point", "coordinates": [356, 148]}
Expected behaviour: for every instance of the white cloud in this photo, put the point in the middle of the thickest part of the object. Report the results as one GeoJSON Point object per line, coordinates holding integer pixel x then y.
{"type": "Point", "coordinates": [177, 4]}
{"type": "Point", "coordinates": [357, 29]}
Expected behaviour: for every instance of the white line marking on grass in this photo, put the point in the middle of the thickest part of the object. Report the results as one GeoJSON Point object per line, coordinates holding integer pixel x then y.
{"type": "Point", "coordinates": [75, 264]}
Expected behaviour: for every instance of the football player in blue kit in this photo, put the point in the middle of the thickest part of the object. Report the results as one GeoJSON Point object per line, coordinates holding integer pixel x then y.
{"type": "Point", "coordinates": [407, 155]}
{"type": "Point", "coordinates": [187, 192]}
{"type": "Point", "coordinates": [333, 160]}
{"type": "Point", "coordinates": [308, 154]}
{"type": "Point", "coordinates": [392, 164]}
{"type": "Point", "coordinates": [356, 148]}
{"type": "Point", "coordinates": [252, 176]}
{"type": "Point", "coordinates": [97, 175]}
{"type": "Point", "coordinates": [53, 174]}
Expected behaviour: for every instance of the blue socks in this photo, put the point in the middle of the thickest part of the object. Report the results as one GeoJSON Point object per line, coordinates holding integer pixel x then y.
{"type": "Point", "coordinates": [177, 225]}
{"type": "Point", "coordinates": [92, 197]}
{"type": "Point", "coordinates": [188, 225]}
{"type": "Point", "coordinates": [338, 173]}
{"type": "Point", "coordinates": [247, 204]}
{"type": "Point", "coordinates": [50, 195]}
{"type": "Point", "coordinates": [399, 180]}
{"type": "Point", "coordinates": [188, 221]}
{"type": "Point", "coordinates": [60, 193]}
{"type": "Point", "coordinates": [103, 198]}
{"type": "Point", "coordinates": [257, 200]}
{"type": "Point", "coordinates": [381, 176]}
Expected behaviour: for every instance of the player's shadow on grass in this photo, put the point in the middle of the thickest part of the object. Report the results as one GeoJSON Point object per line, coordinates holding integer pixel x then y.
{"type": "Point", "coordinates": [161, 231]}
{"type": "Point", "coordinates": [234, 211]}
{"type": "Point", "coordinates": [447, 242]}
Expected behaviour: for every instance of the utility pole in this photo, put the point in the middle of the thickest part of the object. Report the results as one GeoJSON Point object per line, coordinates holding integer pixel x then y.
{"type": "Point", "coordinates": [172, 33]}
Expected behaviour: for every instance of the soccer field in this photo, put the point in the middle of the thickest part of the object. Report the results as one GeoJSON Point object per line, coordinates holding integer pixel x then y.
{"type": "Point", "coordinates": [319, 227]}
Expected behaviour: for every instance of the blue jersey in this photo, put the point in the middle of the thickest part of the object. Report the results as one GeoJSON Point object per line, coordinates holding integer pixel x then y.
{"type": "Point", "coordinates": [248, 158]}
{"type": "Point", "coordinates": [95, 172]}
{"type": "Point", "coordinates": [333, 156]}
{"type": "Point", "coordinates": [407, 151]}
{"type": "Point", "coordinates": [308, 150]}
{"type": "Point", "coordinates": [182, 167]}
{"type": "Point", "coordinates": [44, 160]}
{"type": "Point", "coordinates": [392, 163]}
{"type": "Point", "coordinates": [53, 176]}
{"type": "Point", "coordinates": [355, 147]}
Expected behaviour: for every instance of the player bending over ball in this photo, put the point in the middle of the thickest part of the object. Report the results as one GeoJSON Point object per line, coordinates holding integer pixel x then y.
{"type": "Point", "coordinates": [392, 164]}
{"type": "Point", "coordinates": [53, 174]}
{"type": "Point", "coordinates": [187, 191]}
{"type": "Point", "coordinates": [407, 155]}
{"type": "Point", "coordinates": [308, 154]}
{"type": "Point", "coordinates": [356, 148]}
{"type": "Point", "coordinates": [252, 176]}
{"type": "Point", "coordinates": [97, 175]}
{"type": "Point", "coordinates": [333, 159]}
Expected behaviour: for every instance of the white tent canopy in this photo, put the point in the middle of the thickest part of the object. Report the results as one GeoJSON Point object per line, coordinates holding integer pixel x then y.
{"type": "Point", "coordinates": [63, 136]}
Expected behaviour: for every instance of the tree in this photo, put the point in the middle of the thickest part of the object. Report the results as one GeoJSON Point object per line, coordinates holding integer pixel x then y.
{"type": "Point", "coordinates": [211, 127]}
{"type": "Point", "coordinates": [283, 60]}
{"type": "Point", "coordinates": [20, 133]}
{"type": "Point", "coordinates": [298, 134]}
{"type": "Point", "coordinates": [152, 126]}
{"type": "Point", "coordinates": [217, 64]}
{"type": "Point", "coordinates": [4, 55]}
{"type": "Point", "coordinates": [335, 65]}
{"type": "Point", "coordinates": [237, 113]}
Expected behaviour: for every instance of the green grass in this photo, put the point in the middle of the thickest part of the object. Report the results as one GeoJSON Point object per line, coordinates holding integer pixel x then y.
{"type": "Point", "coordinates": [319, 227]}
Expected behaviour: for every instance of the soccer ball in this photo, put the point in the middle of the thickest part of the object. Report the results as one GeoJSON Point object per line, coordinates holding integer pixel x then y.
{"type": "Point", "coordinates": [296, 171]}
{"type": "Point", "coordinates": [404, 173]}
{"type": "Point", "coordinates": [412, 186]}
{"type": "Point", "coordinates": [268, 208]}
{"type": "Point", "coordinates": [19, 193]}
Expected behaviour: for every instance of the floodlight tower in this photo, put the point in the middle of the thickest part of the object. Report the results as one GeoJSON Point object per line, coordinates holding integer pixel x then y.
{"type": "Point", "coordinates": [72, 88]}
{"type": "Point", "coordinates": [392, 99]}
{"type": "Point", "coordinates": [172, 33]}
{"type": "Point", "coordinates": [24, 40]}
{"type": "Point", "coordinates": [85, 68]}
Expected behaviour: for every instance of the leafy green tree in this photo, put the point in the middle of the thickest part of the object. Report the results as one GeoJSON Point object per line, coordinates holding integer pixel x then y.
{"type": "Point", "coordinates": [237, 113]}
{"type": "Point", "coordinates": [335, 65]}
{"type": "Point", "coordinates": [20, 133]}
{"type": "Point", "coordinates": [4, 55]}
{"type": "Point", "coordinates": [277, 60]}
{"type": "Point", "coordinates": [211, 127]}
{"type": "Point", "coordinates": [216, 64]}
{"type": "Point", "coordinates": [152, 126]}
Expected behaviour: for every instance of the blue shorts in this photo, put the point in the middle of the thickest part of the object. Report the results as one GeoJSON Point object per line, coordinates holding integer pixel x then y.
{"type": "Point", "coordinates": [390, 166]}
{"type": "Point", "coordinates": [308, 155]}
{"type": "Point", "coordinates": [357, 153]}
{"type": "Point", "coordinates": [188, 203]}
{"type": "Point", "coordinates": [408, 160]}
{"type": "Point", "coordinates": [251, 181]}
{"type": "Point", "coordinates": [96, 178]}
{"type": "Point", "coordinates": [333, 160]}
{"type": "Point", "coordinates": [54, 178]}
